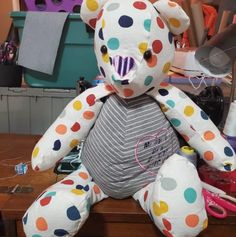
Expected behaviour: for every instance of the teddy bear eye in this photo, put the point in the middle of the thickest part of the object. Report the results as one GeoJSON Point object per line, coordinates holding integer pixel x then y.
{"type": "Point", "coordinates": [104, 49]}
{"type": "Point", "coordinates": [147, 54]}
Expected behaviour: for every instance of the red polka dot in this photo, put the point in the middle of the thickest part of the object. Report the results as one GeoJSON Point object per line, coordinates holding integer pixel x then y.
{"type": "Point", "coordinates": [96, 189]}
{"type": "Point", "coordinates": [75, 127]}
{"type": "Point", "coordinates": [145, 196]}
{"type": "Point", "coordinates": [185, 137]}
{"type": "Point", "coordinates": [164, 84]}
{"type": "Point", "coordinates": [100, 14]}
{"type": "Point", "coordinates": [128, 92]}
{"type": "Point", "coordinates": [140, 5]}
{"type": "Point", "coordinates": [93, 22]}
{"type": "Point", "coordinates": [109, 88]}
{"type": "Point", "coordinates": [36, 168]}
{"type": "Point", "coordinates": [167, 224]}
{"type": "Point", "coordinates": [68, 182]}
{"type": "Point", "coordinates": [152, 62]}
{"type": "Point", "coordinates": [91, 99]}
{"type": "Point", "coordinates": [208, 135]}
{"type": "Point", "coordinates": [157, 46]}
{"type": "Point", "coordinates": [167, 233]}
{"type": "Point", "coordinates": [160, 23]}
{"type": "Point", "coordinates": [45, 201]}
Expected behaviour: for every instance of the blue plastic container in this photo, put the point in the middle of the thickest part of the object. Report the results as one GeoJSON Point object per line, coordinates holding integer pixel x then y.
{"type": "Point", "coordinates": [75, 56]}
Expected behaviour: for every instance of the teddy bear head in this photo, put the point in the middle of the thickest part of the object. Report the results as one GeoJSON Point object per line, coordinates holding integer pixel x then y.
{"type": "Point", "coordinates": [134, 41]}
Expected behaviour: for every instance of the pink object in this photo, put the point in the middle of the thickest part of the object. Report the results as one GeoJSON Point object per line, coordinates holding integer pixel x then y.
{"type": "Point", "coordinates": [54, 5]}
{"type": "Point", "coordinates": [217, 206]}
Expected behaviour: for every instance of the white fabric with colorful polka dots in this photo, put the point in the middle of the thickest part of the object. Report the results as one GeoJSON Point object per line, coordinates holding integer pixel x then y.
{"type": "Point", "coordinates": [195, 127]}
{"type": "Point", "coordinates": [70, 128]}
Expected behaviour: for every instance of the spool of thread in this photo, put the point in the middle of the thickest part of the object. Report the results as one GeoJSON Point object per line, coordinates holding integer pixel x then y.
{"type": "Point", "coordinates": [230, 126]}
{"type": "Point", "coordinates": [189, 153]}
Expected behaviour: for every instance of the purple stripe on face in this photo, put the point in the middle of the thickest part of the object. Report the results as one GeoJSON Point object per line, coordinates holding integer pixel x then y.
{"type": "Point", "coordinates": [123, 65]}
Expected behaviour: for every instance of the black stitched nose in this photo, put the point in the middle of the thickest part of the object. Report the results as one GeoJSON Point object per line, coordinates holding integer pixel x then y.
{"type": "Point", "coordinates": [125, 82]}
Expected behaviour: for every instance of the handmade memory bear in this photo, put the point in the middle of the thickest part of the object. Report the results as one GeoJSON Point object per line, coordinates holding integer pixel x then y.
{"type": "Point", "coordinates": [130, 141]}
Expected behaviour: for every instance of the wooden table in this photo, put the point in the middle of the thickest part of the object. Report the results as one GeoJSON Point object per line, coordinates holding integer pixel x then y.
{"type": "Point", "coordinates": [109, 218]}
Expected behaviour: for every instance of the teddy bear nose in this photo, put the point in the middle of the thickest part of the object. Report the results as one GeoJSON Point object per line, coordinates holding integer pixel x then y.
{"type": "Point", "coordinates": [123, 65]}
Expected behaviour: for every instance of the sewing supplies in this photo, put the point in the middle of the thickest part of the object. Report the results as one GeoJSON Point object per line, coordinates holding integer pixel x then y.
{"type": "Point", "coordinates": [189, 153]}
{"type": "Point", "coordinates": [8, 52]}
{"type": "Point", "coordinates": [217, 204]}
{"type": "Point", "coordinates": [21, 168]}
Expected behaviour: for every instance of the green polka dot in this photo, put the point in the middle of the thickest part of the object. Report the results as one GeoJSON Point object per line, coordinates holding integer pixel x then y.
{"type": "Point", "coordinates": [175, 122]}
{"type": "Point", "coordinates": [171, 103]}
{"type": "Point", "coordinates": [190, 195]}
{"type": "Point", "coordinates": [148, 80]}
{"type": "Point", "coordinates": [147, 25]}
{"type": "Point", "coordinates": [113, 43]}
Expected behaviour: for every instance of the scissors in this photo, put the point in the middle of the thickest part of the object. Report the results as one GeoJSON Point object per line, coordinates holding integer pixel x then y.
{"type": "Point", "coordinates": [217, 205]}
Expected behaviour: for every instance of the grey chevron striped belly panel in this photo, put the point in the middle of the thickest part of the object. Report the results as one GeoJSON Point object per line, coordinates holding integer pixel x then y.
{"type": "Point", "coordinates": [127, 145]}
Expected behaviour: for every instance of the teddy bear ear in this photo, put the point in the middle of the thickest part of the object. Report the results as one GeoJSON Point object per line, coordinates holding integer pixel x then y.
{"type": "Point", "coordinates": [175, 16]}
{"type": "Point", "coordinates": [89, 11]}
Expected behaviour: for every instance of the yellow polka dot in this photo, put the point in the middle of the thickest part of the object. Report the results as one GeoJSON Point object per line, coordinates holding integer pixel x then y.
{"type": "Point", "coordinates": [35, 152]}
{"type": "Point", "coordinates": [74, 143]}
{"type": "Point", "coordinates": [174, 22]}
{"type": "Point", "coordinates": [205, 224]}
{"type": "Point", "coordinates": [188, 110]}
{"type": "Point", "coordinates": [166, 67]}
{"type": "Point", "coordinates": [77, 191]}
{"type": "Point", "coordinates": [103, 23]}
{"type": "Point", "coordinates": [105, 58]}
{"type": "Point", "coordinates": [77, 105]}
{"type": "Point", "coordinates": [160, 209]}
{"type": "Point", "coordinates": [143, 47]}
{"type": "Point", "coordinates": [92, 5]}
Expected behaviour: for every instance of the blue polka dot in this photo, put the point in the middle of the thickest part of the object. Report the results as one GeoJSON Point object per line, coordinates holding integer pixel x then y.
{"type": "Point", "coordinates": [228, 151]}
{"type": "Point", "coordinates": [204, 115]}
{"type": "Point", "coordinates": [73, 213]}
{"type": "Point", "coordinates": [163, 92]}
{"type": "Point", "coordinates": [100, 34]}
{"type": "Point", "coordinates": [79, 186]}
{"type": "Point", "coordinates": [171, 103]}
{"type": "Point", "coordinates": [50, 194]}
{"type": "Point", "coordinates": [102, 71]}
{"type": "Point", "coordinates": [175, 122]}
{"type": "Point", "coordinates": [190, 195]}
{"type": "Point", "coordinates": [147, 25]}
{"type": "Point", "coordinates": [126, 21]}
{"type": "Point", "coordinates": [148, 80]}
{"type": "Point", "coordinates": [60, 232]}
{"type": "Point", "coordinates": [57, 145]}
{"type": "Point", "coordinates": [86, 188]}
{"type": "Point", "coordinates": [170, 37]}
{"type": "Point", "coordinates": [25, 218]}
{"type": "Point", "coordinates": [113, 43]}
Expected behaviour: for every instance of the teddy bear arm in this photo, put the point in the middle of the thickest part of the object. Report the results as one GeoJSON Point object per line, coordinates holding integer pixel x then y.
{"type": "Point", "coordinates": [195, 127]}
{"type": "Point", "coordinates": [72, 126]}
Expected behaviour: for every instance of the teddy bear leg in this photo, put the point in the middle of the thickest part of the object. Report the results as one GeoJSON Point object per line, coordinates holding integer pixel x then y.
{"type": "Point", "coordinates": [174, 201]}
{"type": "Point", "coordinates": [63, 208]}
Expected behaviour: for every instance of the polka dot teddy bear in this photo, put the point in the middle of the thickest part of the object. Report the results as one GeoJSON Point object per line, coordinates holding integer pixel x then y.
{"type": "Point", "coordinates": [129, 125]}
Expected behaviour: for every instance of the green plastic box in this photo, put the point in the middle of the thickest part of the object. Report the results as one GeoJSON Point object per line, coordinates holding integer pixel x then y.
{"type": "Point", "coordinates": [75, 56]}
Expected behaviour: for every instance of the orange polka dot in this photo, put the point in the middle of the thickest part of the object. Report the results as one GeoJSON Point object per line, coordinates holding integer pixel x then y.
{"type": "Point", "coordinates": [174, 22]}
{"type": "Point", "coordinates": [128, 92]}
{"type": "Point", "coordinates": [88, 115]}
{"type": "Point", "coordinates": [41, 224]}
{"type": "Point", "coordinates": [83, 175]}
{"type": "Point", "coordinates": [172, 4]}
{"type": "Point", "coordinates": [96, 189]}
{"type": "Point", "coordinates": [61, 129]}
{"type": "Point", "coordinates": [109, 88]}
{"type": "Point", "coordinates": [152, 62]}
{"type": "Point", "coordinates": [208, 135]}
{"type": "Point", "coordinates": [192, 220]}
{"type": "Point", "coordinates": [208, 155]}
